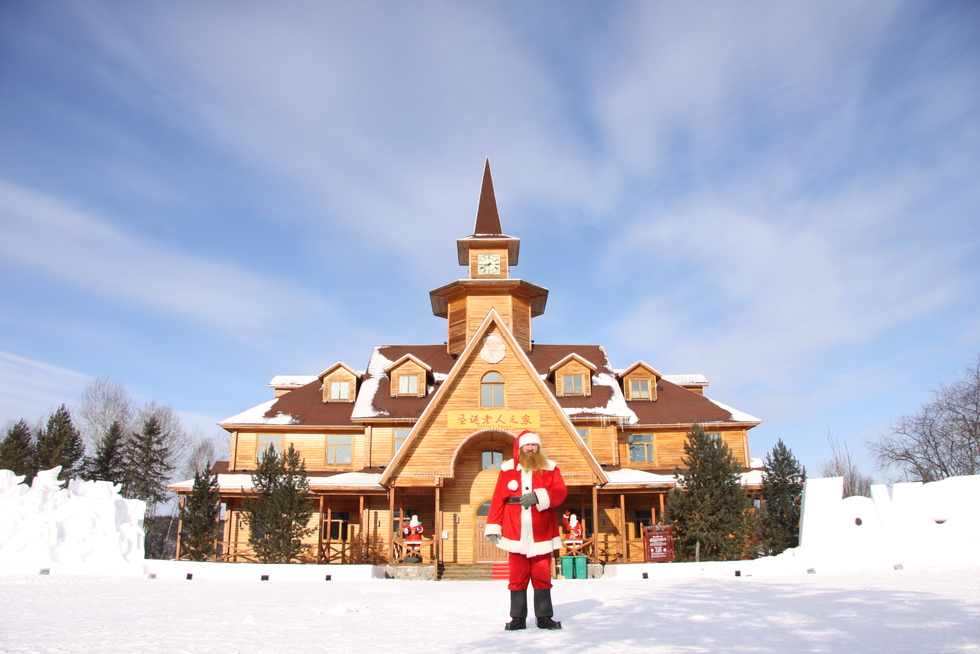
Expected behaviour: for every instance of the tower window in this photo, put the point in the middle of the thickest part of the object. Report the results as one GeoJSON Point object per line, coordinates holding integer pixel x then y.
{"type": "Point", "coordinates": [492, 390]}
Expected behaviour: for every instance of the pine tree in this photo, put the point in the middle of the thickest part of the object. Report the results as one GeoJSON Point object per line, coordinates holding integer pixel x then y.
{"type": "Point", "coordinates": [782, 492]}
{"type": "Point", "coordinates": [278, 507]}
{"type": "Point", "coordinates": [17, 452]}
{"type": "Point", "coordinates": [60, 444]}
{"type": "Point", "coordinates": [199, 517]}
{"type": "Point", "coordinates": [147, 465]}
{"type": "Point", "coordinates": [107, 464]}
{"type": "Point", "coordinates": [709, 508]}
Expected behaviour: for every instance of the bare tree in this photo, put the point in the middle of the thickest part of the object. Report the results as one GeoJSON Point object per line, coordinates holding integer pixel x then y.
{"type": "Point", "coordinates": [202, 454]}
{"type": "Point", "coordinates": [942, 439]}
{"type": "Point", "coordinates": [102, 403]}
{"type": "Point", "coordinates": [842, 465]}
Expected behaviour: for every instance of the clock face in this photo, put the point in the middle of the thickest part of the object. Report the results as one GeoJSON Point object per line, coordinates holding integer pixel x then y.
{"type": "Point", "coordinates": [488, 264]}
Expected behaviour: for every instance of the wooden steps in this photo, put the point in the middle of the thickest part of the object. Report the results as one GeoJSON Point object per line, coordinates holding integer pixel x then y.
{"type": "Point", "coordinates": [471, 572]}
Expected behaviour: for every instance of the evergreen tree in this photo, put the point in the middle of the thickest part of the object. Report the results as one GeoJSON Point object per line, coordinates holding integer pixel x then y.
{"type": "Point", "coordinates": [107, 464]}
{"type": "Point", "coordinates": [782, 492]}
{"type": "Point", "coordinates": [199, 517]}
{"type": "Point", "coordinates": [709, 508]}
{"type": "Point", "coordinates": [278, 507]}
{"type": "Point", "coordinates": [17, 451]}
{"type": "Point", "coordinates": [60, 444]}
{"type": "Point", "coordinates": [147, 464]}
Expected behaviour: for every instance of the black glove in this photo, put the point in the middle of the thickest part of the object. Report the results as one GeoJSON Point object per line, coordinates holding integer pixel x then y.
{"type": "Point", "coordinates": [528, 499]}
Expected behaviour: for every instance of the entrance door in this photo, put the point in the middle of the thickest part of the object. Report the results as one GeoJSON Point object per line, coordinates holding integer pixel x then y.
{"type": "Point", "coordinates": [486, 552]}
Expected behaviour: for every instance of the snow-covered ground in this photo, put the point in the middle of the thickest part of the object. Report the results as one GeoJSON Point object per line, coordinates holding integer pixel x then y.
{"type": "Point", "coordinates": [912, 610]}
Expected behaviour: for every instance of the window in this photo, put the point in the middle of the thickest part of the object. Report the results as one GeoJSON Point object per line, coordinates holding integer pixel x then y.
{"type": "Point", "coordinates": [714, 436]}
{"type": "Point", "coordinates": [336, 528]}
{"type": "Point", "coordinates": [572, 384]}
{"type": "Point", "coordinates": [484, 510]}
{"type": "Point", "coordinates": [640, 389]}
{"type": "Point", "coordinates": [339, 390]}
{"type": "Point", "coordinates": [339, 449]}
{"type": "Point", "coordinates": [398, 439]}
{"type": "Point", "coordinates": [641, 447]}
{"type": "Point", "coordinates": [265, 441]}
{"type": "Point", "coordinates": [641, 519]}
{"type": "Point", "coordinates": [408, 385]}
{"type": "Point", "coordinates": [492, 460]}
{"type": "Point", "coordinates": [492, 390]}
{"type": "Point", "coordinates": [584, 433]}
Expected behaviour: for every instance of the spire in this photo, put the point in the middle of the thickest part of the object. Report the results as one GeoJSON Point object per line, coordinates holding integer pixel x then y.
{"type": "Point", "coordinates": [487, 219]}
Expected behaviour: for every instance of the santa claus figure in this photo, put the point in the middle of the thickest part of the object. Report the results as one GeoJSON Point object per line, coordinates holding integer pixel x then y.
{"type": "Point", "coordinates": [522, 521]}
{"type": "Point", "coordinates": [413, 532]}
{"type": "Point", "coordinates": [573, 528]}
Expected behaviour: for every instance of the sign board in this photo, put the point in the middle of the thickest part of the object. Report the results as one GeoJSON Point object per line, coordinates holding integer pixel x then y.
{"type": "Point", "coordinates": [494, 419]}
{"type": "Point", "coordinates": [658, 544]}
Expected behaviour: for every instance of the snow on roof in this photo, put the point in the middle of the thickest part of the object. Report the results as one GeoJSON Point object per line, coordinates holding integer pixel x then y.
{"type": "Point", "coordinates": [687, 380]}
{"type": "Point", "coordinates": [283, 381]}
{"type": "Point", "coordinates": [364, 404]}
{"type": "Point", "coordinates": [615, 408]}
{"type": "Point", "coordinates": [256, 416]}
{"type": "Point", "coordinates": [626, 476]}
{"type": "Point", "coordinates": [737, 416]}
{"type": "Point", "coordinates": [343, 480]}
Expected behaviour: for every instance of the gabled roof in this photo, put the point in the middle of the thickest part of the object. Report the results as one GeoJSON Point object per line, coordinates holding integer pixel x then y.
{"type": "Point", "coordinates": [493, 320]}
{"type": "Point", "coordinates": [409, 357]}
{"type": "Point", "coordinates": [339, 364]}
{"type": "Point", "coordinates": [639, 364]}
{"type": "Point", "coordinates": [585, 362]}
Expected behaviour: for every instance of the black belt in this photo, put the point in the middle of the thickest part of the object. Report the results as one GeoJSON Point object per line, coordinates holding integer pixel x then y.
{"type": "Point", "coordinates": [513, 499]}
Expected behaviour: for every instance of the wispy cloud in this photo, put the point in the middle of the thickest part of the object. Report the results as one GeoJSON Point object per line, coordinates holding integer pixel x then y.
{"type": "Point", "coordinates": [49, 237]}
{"type": "Point", "coordinates": [30, 389]}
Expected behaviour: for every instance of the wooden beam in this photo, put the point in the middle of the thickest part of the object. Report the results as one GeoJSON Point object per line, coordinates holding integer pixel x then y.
{"type": "Point", "coordinates": [624, 536]}
{"type": "Point", "coordinates": [361, 531]}
{"type": "Point", "coordinates": [438, 529]}
{"type": "Point", "coordinates": [319, 535]}
{"type": "Point", "coordinates": [180, 525]}
{"type": "Point", "coordinates": [391, 519]}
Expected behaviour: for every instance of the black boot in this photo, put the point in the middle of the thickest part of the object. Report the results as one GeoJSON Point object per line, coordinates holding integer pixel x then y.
{"type": "Point", "coordinates": [543, 610]}
{"type": "Point", "coordinates": [518, 610]}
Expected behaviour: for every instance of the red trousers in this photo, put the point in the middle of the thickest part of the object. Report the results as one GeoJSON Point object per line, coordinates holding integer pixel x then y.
{"type": "Point", "coordinates": [536, 569]}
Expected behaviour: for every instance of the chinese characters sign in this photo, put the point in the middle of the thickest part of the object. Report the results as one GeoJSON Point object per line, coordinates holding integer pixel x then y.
{"type": "Point", "coordinates": [494, 419]}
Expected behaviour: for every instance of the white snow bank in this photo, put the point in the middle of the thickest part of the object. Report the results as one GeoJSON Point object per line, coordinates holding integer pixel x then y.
{"type": "Point", "coordinates": [88, 523]}
{"type": "Point", "coordinates": [203, 570]}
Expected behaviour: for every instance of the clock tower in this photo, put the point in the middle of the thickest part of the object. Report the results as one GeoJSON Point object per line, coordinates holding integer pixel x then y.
{"type": "Point", "coordinates": [489, 254]}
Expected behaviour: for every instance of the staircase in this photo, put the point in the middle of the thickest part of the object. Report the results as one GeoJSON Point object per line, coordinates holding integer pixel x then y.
{"type": "Point", "coordinates": [469, 572]}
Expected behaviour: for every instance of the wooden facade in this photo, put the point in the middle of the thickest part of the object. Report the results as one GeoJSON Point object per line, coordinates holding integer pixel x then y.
{"type": "Point", "coordinates": [423, 430]}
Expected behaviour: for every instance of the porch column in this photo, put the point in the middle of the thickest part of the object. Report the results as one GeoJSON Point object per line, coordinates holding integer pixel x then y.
{"type": "Point", "coordinates": [319, 535]}
{"type": "Point", "coordinates": [624, 536]}
{"type": "Point", "coordinates": [390, 538]}
{"type": "Point", "coordinates": [360, 532]}
{"type": "Point", "coordinates": [438, 528]}
{"type": "Point", "coordinates": [595, 523]}
{"type": "Point", "coordinates": [180, 525]}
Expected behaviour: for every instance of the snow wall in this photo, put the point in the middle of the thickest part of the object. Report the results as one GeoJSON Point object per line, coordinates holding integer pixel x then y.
{"type": "Point", "coordinates": [88, 523]}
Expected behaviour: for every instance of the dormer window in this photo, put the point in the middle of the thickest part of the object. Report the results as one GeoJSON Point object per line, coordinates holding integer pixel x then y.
{"type": "Point", "coordinates": [573, 376]}
{"type": "Point", "coordinates": [339, 383]}
{"type": "Point", "coordinates": [408, 377]}
{"type": "Point", "coordinates": [640, 389]}
{"type": "Point", "coordinates": [572, 384]}
{"type": "Point", "coordinates": [640, 382]}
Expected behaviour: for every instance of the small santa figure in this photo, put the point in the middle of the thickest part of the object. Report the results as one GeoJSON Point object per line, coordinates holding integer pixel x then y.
{"type": "Point", "coordinates": [573, 528]}
{"type": "Point", "coordinates": [413, 532]}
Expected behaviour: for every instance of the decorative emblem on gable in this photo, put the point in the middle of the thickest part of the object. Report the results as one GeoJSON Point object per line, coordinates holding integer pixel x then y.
{"type": "Point", "coordinates": [494, 348]}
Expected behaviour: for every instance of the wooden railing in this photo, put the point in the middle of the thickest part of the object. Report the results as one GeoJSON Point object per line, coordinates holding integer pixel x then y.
{"type": "Point", "coordinates": [402, 549]}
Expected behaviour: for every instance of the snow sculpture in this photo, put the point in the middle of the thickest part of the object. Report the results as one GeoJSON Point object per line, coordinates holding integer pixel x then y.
{"type": "Point", "coordinates": [913, 524]}
{"type": "Point", "coordinates": [88, 522]}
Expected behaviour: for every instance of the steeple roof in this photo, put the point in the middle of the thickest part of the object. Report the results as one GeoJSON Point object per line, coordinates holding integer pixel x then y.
{"type": "Point", "coordinates": [487, 218]}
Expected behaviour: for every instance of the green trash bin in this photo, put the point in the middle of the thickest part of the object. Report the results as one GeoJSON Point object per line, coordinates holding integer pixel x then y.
{"type": "Point", "coordinates": [574, 567]}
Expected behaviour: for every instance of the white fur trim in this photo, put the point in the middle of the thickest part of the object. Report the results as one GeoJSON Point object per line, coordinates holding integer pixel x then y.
{"type": "Point", "coordinates": [490, 530]}
{"type": "Point", "coordinates": [529, 438]}
{"type": "Point", "coordinates": [512, 485]}
{"type": "Point", "coordinates": [508, 465]}
{"type": "Point", "coordinates": [544, 500]}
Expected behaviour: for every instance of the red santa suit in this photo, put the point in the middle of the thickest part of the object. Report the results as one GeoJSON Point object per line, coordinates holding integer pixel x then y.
{"type": "Point", "coordinates": [573, 528]}
{"type": "Point", "coordinates": [529, 534]}
{"type": "Point", "coordinates": [413, 530]}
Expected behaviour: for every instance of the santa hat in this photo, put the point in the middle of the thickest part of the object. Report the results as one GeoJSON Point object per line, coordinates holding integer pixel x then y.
{"type": "Point", "coordinates": [526, 437]}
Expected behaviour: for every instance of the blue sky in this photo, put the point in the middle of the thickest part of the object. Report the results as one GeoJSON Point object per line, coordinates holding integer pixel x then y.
{"type": "Point", "coordinates": [197, 196]}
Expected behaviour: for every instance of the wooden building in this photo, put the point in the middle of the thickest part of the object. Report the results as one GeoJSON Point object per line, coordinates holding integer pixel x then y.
{"type": "Point", "coordinates": [424, 429]}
